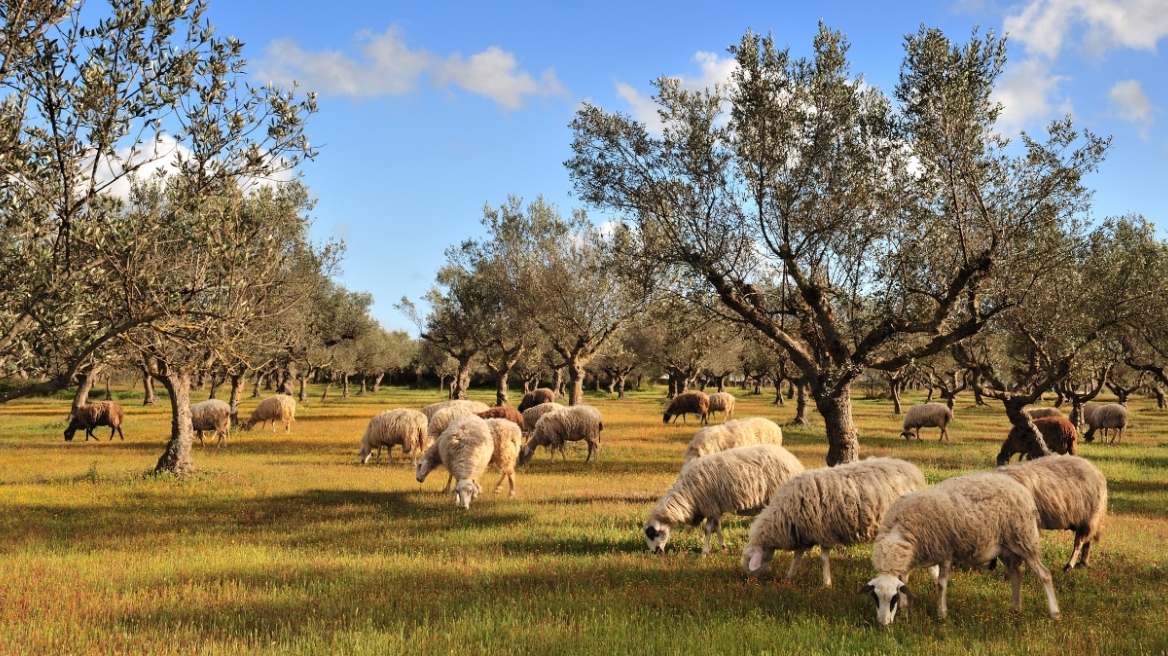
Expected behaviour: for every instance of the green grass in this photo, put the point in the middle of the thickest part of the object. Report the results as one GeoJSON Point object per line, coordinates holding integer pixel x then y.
{"type": "Point", "coordinates": [284, 544]}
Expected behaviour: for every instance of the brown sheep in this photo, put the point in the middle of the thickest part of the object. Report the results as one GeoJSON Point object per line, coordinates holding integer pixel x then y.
{"type": "Point", "coordinates": [1060, 435]}
{"type": "Point", "coordinates": [696, 403]}
{"type": "Point", "coordinates": [502, 412]}
{"type": "Point", "coordinates": [536, 397]}
{"type": "Point", "coordinates": [92, 415]}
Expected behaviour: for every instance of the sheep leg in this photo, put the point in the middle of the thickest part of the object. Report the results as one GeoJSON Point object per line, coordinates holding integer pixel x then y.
{"type": "Point", "coordinates": [499, 485]}
{"type": "Point", "coordinates": [510, 485]}
{"type": "Point", "coordinates": [1014, 571]}
{"type": "Point", "coordinates": [795, 564]}
{"type": "Point", "coordinates": [943, 584]}
{"type": "Point", "coordinates": [449, 479]}
{"type": "Point", "coordinates": [708, 528]}
{"type": "Point", "coordinates": [1077, 551]}
{"type": "Point", "coordinates": [825, 559]}
{"type": "Point", "coordinates": [1035, 564]}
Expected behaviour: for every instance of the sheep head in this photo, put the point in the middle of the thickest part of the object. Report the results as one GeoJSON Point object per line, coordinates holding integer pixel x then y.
{"type": "Point", "coordinates": [756, 559]}
{"type": "Point", "coordinates": [464, 492]}
{"type": "Point", "coordinates": [656, 535]}
{"type": "Point", "coordinates": [525, 454]}
{"type": "Point", "coordinates": [888, 591]}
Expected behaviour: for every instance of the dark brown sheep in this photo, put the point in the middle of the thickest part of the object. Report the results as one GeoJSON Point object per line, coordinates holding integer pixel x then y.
{"type": "Point", "coordinates": [1060, 435]}
{"type": "Point", "coordinates": [510, 414]}
{"type": "Point", "coordinates": [686, 403]}
{"type": "Point", "coordinates": [92, 415]}
{"type": "Point", "coordinates": [536, 397]}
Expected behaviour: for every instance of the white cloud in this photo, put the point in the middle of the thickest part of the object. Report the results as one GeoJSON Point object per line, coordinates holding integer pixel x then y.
{"type": "Point", "coordinates": [643, 107]}
{"type": "Point", "coordinates": [1131, 102]}
{"type": "Point", "coordinates": [154, 158]}
{"type": "Point", "coordinates": [387, 66]}
{"type": "Point", "coordinates": [1043, 26]}
{"type": "Point", "coordinates": [714, 71]}
{"type": "Point", "coordinates": [1024, 91]}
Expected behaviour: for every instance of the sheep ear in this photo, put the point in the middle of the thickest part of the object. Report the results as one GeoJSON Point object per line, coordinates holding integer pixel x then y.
{"type": "Point", "coordinates": [651, 532]}
{"type": "Point", "coordinates": [908, 593]}
{"type": "Point", "coordinates": [867, 589]}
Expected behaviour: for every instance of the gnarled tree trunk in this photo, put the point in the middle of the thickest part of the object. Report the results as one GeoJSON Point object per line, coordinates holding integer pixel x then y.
{"type": "Point", "coordinates": [148, 395]}
{"type": "Point", "coordinates": [235, 396]}
{"type": "Point", "coordinates": [800, 403]}
{"type": "Point", "coordinates": [177, 457]}
{"type": "Point", "coordinates": [84, 387]}
{"type": "Point", "coordinates": [843, 443]}
{"type": "Point", "coordinates": [377, 382]}
{"type": "Point", "coordinates": [576, 375]}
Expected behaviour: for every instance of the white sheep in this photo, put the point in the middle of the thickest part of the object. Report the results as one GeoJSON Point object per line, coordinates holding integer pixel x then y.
{"type": "Point", "coordinates": [274, 408]}
{"type": "Point", "coordinates": [465, 448]}
{"type": "Point", "coordinates": [571, 424]}
{"type": "Point", "coordinates": [402, 427]}
{"type": "Point", "coordinates": [1038, 413]}
{"type": "Point", "coordinates": [435, 407]}
{"type": "Point", "coordinates": [1112, 416]}
{"type": "Point", "coordinates": [531, 415]}
{"type": "Point", "coordinates": [1071, 494]}
{"type": "Point", "coordinates": [968, 519]}
{"type": "Point", "coordinates": [442, 419]}
{"type": "Point", "coordinates": [738, 481]}
{"type": "Point", "coordinates": [508, 439]}
{"type": "Point", "coordinates": [739, 432]}
{"type": "Point", "coordinates": [927, 415]}
{"type": "Point", "coordinates": [831, 506]}
{"type": "Point", "coordinates": [723, 402]}
{"type": "Point", "coordinates": [212, 415]}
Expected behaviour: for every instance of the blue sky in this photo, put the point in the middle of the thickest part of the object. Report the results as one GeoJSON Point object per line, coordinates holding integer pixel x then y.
{"type": "Point", "coordinates": [430, 110]}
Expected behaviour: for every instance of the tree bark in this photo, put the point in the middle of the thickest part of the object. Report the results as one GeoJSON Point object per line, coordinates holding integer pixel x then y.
{"type": "Point", "coordinates": [303, 397]}
{"type": "Point", "coordinates": [364, 385]}
{"type": "Point", "coordinates": [757, 385]}
{"type": "Point", "coordinates": [620, 386]}
{"type": "Point", "coordinates": [84, 386]}
{"type": "Point", "coordinates": [235, 396]}
{"type": "Point", "coordinates": [216, 383]}
{"type": "Point", "coordinates": [894, 392]}
{"type": "Point", "coordinates": [328, 384]}
{"type": "Point", "coordinates": [461, 382]}
{"type": "Point", "coordinates": [576, 383]}
{"type": "Point", "coordinates": [843, 443]}
{"type": "Point", "coordinates": [268, 381]}
{"type": "Point", "coordinates": [1161, 400]}
{"type": "Point", "coordinates": [778, 393]}
{"type": "Point", "coordinates": [377, 382]}
{"type": "Point", "coordinates": [177, 457]}
{"type": "Point", "coordinates": [286, 378]}
{"type": "Point", "coordinates": [501, 376]}
{"type": "Point", "coordinates": [148, 396]}
{"type": "Point", "coordinates": [722, 383]}
{"type": "Point", "coordinates": [559, 382]}
{"type": "Point", "coordinates": [1036, 446]}
{"type": "Point", "coordinates": [800, 403]}
{"type": "Point", "coordinates": [109, 395]}
{"type": "Point", "coordinates": [344, 384]}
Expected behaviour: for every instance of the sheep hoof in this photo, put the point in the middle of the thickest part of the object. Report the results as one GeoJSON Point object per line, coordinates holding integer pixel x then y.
{"type": "Point", "coordinates": [1056, 616]}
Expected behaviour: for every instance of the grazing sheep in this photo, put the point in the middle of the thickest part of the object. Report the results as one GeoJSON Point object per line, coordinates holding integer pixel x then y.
{"type": "Point", "coordinates": [831, 506]}
{"type": "Point", "coordinates": [1112, 416]}
{"type": "Point", "coordinates": [722, 402]}
{"type": "Point", "coordinates": [686, 403]}
{"type": "Point", "coordinates": [508, 439]}
{"type": "Point", "coordinates": [927, 415]}
{"type": "Point", "coordinates": [510, 414]}
{"type": "Point", "coordinates": [1071, 495]}
{"type": "Point", "coordinates": [402, 427]}
{"type": "Point", "coordinates": [531, 415]}
{"type": "Point", "coordinates": [536, 397]}
{"type": "Point", "coordinates": [274, 408]}
{"type": "Point", "coordinates": [465, 448]}
{"type": "Point", "coordinates": [92, 415]}
{"type": "Point", "coordinates": [1058, 433]}
{"type": "Point", "coordinates": [571, 424]}
{"type": "Point", "coordinates": [211, 415]}
{"type": "Point", "coordinates": [738, 481]}
{"type": "Point", "coordinates": [442, 419]}
{"type": "Point", "coordinates": [969, 519]}
{"type": "Point", "coordinates": [1038, 413]}
{"type": "Point", "coordinates": [433, 408]}
{"type": "Point", "coordinates": [739, 432]}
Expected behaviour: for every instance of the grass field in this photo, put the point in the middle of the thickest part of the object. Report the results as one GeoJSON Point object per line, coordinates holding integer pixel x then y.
{"type": "Point", "coordinates": [284, 544]}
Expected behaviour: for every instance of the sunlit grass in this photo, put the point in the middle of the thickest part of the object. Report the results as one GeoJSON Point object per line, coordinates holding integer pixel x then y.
{"type": "Point", "coordinates": [284, 544]}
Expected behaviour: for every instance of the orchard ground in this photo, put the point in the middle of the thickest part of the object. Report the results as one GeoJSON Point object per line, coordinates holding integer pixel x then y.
{"type": "Point", "coordinates": [284, 544]}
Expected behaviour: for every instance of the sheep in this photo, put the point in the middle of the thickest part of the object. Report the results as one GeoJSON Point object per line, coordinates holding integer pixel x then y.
{"type": "Point", "coordinates": [502, 412]}
{"type": "Point", "coordinates": [971, 519]}
{"type": "Point", "coordinates": [722, 402]}
{"type": "Point", "coordinates": [465, 448]}
{"type": "Point", "coordinates": [1058, 433]}
{"type": "Point", "coordinates": [688, 403]}
{"type": "Point", "coordinates": [831, 506]}
{"type": "Point", "coordinates": [402, 427]}
{"type": "Point", "coordinates": [531, 415]}
{"type": "Point", "coordinates": [927, 415]}
{"type": "Point", "coordinates": [739, 481]}
{"type": "Point", "coordinates": [441, 419]}
{"type": "Point", "coordinates": [508, 439]}
{"type": "Point", "coordinates": [1071, 494]}
{"type": "Point", "coordinates": [212, 415]}
{"type": "Point", "coordinates": [571, 424]}
{"type": "Point", "coordinates": [1038, 413]}
{"type": "Point", "coordinates": [739, 432]}
{"type": "Point", "coordinates": [536, 397]}
{"type": "Point", "coordinates": [92, 415]}
{"type": "Point", "coordinates": [1112, 416]}
{"type": "Point", "coordinates": [274, 408]}
{"type": "Point", "coordinates": [431, 409]}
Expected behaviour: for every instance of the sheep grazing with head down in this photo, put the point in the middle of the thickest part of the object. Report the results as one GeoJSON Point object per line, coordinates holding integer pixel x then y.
{"type": "Point", "coordinates": [503, 412]}
{"type": "Point", "coordinates": [433, 408]}
{"type": "Point", "coordinates": [508, 439]}
{"type": "Point", "coordinates": [739, 432]}
{"type": "Point", "coordinates": [402, 427]}
{"type": "Point", "coordinates": [927, 415]}
{"type": "Point", "coordinates": [274, 408]}
{"type": "Point", "coordinates": [1112, 416]}
{"type": "Point", "coordinates": [531, 415]}
{"type": "Point", "coordinates": [576, 423]}
{"type": "Point", "coordinates": [1071, 495]}
{"type": "Point", "coordinates": [92, 415]}
{"type": "Point", "coordinates": [211, 415]}
{"type": "Point", "coordinates": [738, 481]}
{"type": "Point", "coordinates": [968, 519]}
{"type": "Point", "coordinates": [688, 403]}
{"type": "Point", "coordinates": [1058, 433]}
{"type": "Point", "coordinates": [722, 402]}
{"type": "Point", "coordinates": [536, 397]}
{"type": "Point", "coordinates": [1039, 413]}
{"type": "Point", "coordinates": [442, 419]}
{"type": "Point", "coordinates": [832, 506]}
{"type": "Point", "coordinates": [465, 448]}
